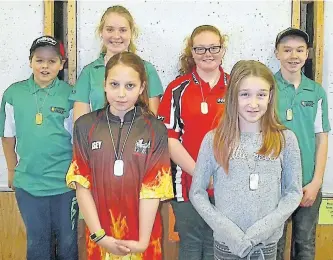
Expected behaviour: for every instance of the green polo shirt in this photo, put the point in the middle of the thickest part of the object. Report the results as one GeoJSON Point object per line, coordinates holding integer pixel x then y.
{"type": "Point", "coordinates": [310, 116]}
{"type": "Point", "coordinates": [89, 87]}
{"type": "Point", "coordinates": [44, 151]}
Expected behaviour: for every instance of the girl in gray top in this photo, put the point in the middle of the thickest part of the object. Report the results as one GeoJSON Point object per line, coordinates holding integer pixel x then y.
{"type": "Point", "coordinates": [255, 166]}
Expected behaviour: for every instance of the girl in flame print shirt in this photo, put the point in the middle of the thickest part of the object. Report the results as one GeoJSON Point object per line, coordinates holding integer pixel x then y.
{"type": "Point", "coordinates": [121, 201]}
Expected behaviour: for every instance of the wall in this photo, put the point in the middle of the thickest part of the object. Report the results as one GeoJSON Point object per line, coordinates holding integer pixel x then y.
{"type": "Point", "coordinates": [251, 32]}
{"type": "Point", "coordinates": [251, 26]}
{"type": "Point", "coordinates": [328, 85]}
{"type": "Point", "coordinates": [21, 22]}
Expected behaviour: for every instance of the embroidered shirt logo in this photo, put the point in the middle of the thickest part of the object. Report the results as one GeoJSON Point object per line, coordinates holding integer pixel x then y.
{"type": "Point", "coordinates": [59, 110]}
{"type": "Point", "coordinates": [96, 145]}
{"type": "Point", "coordinates": [220, 100]}
{"type": "Point", "coordinates": [307, 103]}
{"type": "Point", "coordinates": [141, 146]}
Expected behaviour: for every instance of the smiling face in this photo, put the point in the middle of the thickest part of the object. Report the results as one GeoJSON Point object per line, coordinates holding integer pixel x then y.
{"type": "Point", "coordinates": [45, 64]}
{"type": "Point", "coordinates": [253, 100]}
{"type": "Point", "coordinates": [116, 33]}
{"type": "Point", "coordinates": [292, 53]}
{"type": "Point", "coordinates": [122, 87]}
{"type": "Point", "coordinates": [207, 62]}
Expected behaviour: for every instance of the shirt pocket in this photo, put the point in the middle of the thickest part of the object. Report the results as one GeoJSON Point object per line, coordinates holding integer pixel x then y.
{"type": "Point", "coordinates": [59, 115]}
{"type": "Point", "coordinates": [307, 108]}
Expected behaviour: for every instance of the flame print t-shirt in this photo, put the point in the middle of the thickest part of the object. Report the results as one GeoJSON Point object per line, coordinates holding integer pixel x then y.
{"type": "Point", "coordinates": [146, 175]}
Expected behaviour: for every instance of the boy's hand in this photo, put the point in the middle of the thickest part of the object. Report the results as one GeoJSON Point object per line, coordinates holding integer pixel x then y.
{"type": "Point", "coordinates": [11, 179]}
{"type": "Point", "coordinates": [109, 243]}
{"type": "Point", "coordinates": [133, 246]}
{"type": "Point", "coordinates": [310, 193]}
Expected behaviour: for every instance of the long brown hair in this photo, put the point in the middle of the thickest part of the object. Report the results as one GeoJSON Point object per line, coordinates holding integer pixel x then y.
{"type": "Point", "coordinates": [122, 11]}
{"type": "Point", "coordinates": [186, 60]}
{"type": "Point", "coordinates": [227, 133]}
{"type": "Point", "coordinates": [135, 62]}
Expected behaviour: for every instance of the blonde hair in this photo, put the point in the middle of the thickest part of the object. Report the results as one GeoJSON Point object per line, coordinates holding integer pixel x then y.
{"type": "Point", "coordinates": [135, 62]}
{"type": "Point", "coordinates": [186, 59]}
{"type": "Point", "coordinates": [227, 132]}
{"type": "Point", "coordinates": [122, 11]}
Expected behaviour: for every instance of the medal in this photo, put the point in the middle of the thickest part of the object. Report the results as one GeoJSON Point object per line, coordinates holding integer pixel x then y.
{"type": "Point", "coordinates": [39, 118]}
{"type": "Point", "coordinates": [118, 168]}
{"type": "Point", "coordinates": [254, 181]}
{"type": "Point", "coordinates": [39, 115]}
{"type": "Point", "coordinates": [253, 175]}
{"type": "Point", "coordinates": [204, 108]}
{"type": "Point", "coordinates": [289, 114]}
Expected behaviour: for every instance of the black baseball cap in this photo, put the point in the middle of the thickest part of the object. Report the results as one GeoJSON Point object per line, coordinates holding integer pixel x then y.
{"type": "Point", "coordinates": [48, 41]}
{"type": "Point", "coordinates": [289, 32]}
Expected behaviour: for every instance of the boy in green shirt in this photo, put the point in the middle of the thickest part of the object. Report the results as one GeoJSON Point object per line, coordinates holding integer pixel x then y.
{"type": "Point", "coordinates": [303, 108]}
{"type": "Point", "coordinates": [36, 128]}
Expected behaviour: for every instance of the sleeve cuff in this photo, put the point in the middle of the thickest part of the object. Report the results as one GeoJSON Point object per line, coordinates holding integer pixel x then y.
{"type": "Point", "coordinates": [157, 94]}
{"type": "Point", "coordinates": [7, 135]}
{"type": "Point", "coordinates": [71, 181]}
{"type": "Point", "coordinates": [75, 98]}
{"type": "Point", "coordinates": [161, 188]}
{"type": "Point", "coordinates": [321, 130]}
{"type": "Point", "coordinates": [72, 177]}
{"type": "Point", "coordinates": [173, 134]}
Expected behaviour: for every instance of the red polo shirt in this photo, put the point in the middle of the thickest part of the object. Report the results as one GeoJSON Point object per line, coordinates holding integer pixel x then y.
{"type": "Point", "coordinates": [180, 110]}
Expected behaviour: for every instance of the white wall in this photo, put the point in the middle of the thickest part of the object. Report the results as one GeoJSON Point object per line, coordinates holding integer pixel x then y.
{"type": "Point", "coordinates": [21, 22]}
{"type": "Point", "coordinates": [328, 85]}
{"type": "Point", "coordinates": [251, 25]}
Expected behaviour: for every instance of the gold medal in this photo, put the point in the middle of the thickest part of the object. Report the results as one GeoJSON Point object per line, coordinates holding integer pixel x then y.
{"type": "Point", "coordinates": [289, 114]}
{"type": "Point", "coordinates": [39, 118]}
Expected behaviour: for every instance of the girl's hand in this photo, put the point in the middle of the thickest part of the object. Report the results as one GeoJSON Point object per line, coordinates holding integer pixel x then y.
{"type": "Point", "coordinates": [133, 246]}
{"type": "Point", "coordinates": [109, 243]}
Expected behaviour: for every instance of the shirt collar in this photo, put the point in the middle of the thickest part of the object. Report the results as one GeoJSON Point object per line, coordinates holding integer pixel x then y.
{"type": "Point", "coordinates": [222, 82]}
{"type": "Point", "coordinates": [100, 61]}
{"type": "Point", "coordinates": [34, 88]}
{"type": "Point", "coordinates": [128, 116]}
{"type": "Point", "coordinates": [305, 83]}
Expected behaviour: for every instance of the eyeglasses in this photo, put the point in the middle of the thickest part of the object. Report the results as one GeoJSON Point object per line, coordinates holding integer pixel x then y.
{"type": "Point", "coordinates": [202, 50]}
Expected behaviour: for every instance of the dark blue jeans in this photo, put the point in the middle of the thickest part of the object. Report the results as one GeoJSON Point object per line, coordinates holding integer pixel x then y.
{"type": "Point", "coordinates": [48, 219]}
{"type": "Point", "coordinates": [303, 243]}
{"type": "Point", "coordinates": [196, 237]}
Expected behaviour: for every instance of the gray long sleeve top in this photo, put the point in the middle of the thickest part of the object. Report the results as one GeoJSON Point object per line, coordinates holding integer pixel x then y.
{"type": "Point", "coordinates": [243, 218]}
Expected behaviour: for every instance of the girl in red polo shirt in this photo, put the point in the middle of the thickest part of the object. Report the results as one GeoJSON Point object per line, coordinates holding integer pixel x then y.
{"type": "Point", "coordinates": [189, 108]}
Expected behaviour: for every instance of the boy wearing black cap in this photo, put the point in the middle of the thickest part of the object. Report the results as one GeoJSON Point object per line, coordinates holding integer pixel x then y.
{"type": "Point", "coordinates": [303, 108]}
{"type": "Point", "coordinates": [36, 127]}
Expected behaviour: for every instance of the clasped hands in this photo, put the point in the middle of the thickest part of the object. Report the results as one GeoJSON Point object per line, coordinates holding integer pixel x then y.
{"type": "Point", "coordinates": [122, 247]}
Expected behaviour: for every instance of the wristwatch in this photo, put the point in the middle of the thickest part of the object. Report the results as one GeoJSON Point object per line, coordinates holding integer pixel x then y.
{"type": "Point", "coordinates": [98, 235]}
